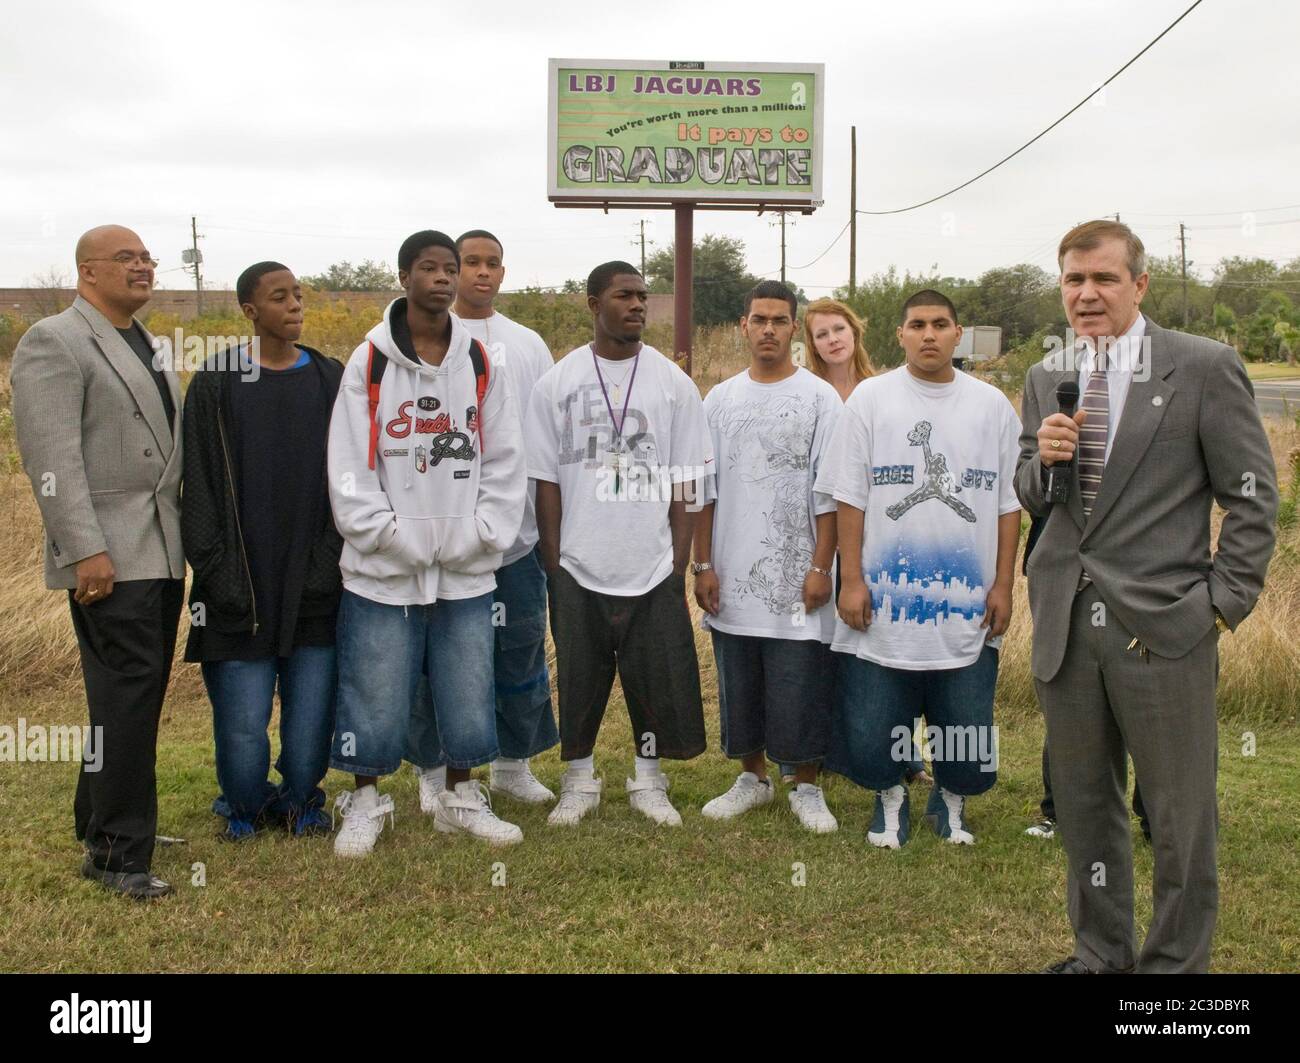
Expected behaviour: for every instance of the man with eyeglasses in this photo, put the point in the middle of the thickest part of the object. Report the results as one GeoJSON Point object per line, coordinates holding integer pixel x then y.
{"type": "Point", "coordinates": [98, 426]}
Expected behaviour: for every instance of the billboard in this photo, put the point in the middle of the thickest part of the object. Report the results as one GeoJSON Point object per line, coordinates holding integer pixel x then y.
{"type": "Point", "coordinates": [721, 133]}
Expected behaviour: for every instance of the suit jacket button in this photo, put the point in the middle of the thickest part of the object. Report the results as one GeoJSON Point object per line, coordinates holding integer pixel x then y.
{"type": "Point", "coordinates": [148, 452]}
{"type": "Point", "coordinates": [137, 415]}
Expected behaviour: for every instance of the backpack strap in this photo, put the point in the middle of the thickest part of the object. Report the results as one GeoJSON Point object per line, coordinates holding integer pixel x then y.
{"type": "Point", "coordinates": [478, 358]}
{"type": "Point", "coordinates": [376, 363]}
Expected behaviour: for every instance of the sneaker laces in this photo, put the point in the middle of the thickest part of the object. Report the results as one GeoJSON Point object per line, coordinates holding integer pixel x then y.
{"type": "Point", "coordinates": [343, 806]}
{"type": "Point", "coordinates": [477, 798]}
{"type": "Point", "coordinates": [738, 790]}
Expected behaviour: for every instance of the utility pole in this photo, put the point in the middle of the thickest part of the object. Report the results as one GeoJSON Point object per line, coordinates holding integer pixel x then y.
{"type": "Point", "coordinates": [642, 241]}
{"type": "Point", "coordinates": [1182, 240]}
{"type": "Point", "coordinates": [853, 210]}
{"type": "Point", "coordinates": [194, 257]}
{"type": "Point", "coordinates": [781, 222]}
{"type": "Point", "coordinates": [782, 247]}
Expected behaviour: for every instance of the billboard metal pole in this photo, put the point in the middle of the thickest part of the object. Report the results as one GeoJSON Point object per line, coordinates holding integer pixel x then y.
{"type": "Point", "coordinates": [683, 280]}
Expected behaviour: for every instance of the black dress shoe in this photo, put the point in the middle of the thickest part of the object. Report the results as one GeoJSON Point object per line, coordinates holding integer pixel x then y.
{"type": "Point", "coordinates": [1069, 965]}
{"type": "Point", "coordinates": [138, 885]}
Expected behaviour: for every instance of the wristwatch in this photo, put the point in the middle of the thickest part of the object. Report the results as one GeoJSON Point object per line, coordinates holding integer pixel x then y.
{"type": "Point", "coordinates": [700, 566]}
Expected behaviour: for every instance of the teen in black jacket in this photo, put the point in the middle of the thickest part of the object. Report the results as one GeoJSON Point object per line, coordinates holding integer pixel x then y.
{"type": "Point", "coordinates": [259, 535]}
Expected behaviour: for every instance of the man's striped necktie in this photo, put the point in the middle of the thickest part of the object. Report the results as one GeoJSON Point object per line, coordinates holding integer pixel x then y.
{"type": "Point", "coordinates": [1093, 434]}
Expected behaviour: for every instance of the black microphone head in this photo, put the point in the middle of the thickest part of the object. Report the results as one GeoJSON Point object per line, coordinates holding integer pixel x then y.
{"type": "Point", "coordinates": [1067, 396]}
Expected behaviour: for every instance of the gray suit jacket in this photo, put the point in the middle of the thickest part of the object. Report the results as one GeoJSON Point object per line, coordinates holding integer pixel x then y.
{"type": "Point", "coordinates": [1189, 433]}
{"type": "Point", "coordinates": [94, 439]}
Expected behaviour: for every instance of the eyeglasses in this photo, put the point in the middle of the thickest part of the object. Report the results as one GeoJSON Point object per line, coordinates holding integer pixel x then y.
{"type": "Point", "coordinates": [125, 258]}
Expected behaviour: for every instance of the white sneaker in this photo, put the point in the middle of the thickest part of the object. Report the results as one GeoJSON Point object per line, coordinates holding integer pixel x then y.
{"type": "Point", "coordinates": [946, 814]}
{"type": "Point", "coordinates": [363, 813]}
{"type": "Point", "coordinates": [432, 782]}
{"type": "Point", "coordinates": [746, 792]}
{"type": "Point", "coordinates": [891, 818]}
{"type": "Point", "coordinates": [468, 810]}
{"type": "Point", "coordinates": [579, 794]}
{"type": "Point", "coordinates": [649, 796]}
{"type": "Point", "coordinates": [808, 803]}
{"type": "Point", "coordinates": [518, 781]}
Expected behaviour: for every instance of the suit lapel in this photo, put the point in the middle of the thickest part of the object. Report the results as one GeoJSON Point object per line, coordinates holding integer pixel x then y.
{"type": "Point", "coordinates": [1144, 409]}
{"type": "Point", "coordinates": [134, 375]}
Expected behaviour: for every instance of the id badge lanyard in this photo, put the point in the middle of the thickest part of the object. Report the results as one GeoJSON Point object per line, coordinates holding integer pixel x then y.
{"type": "Point", "coordinates": [616, 459]}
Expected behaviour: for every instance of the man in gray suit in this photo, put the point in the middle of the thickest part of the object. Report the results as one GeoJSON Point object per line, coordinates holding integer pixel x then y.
{"type": "Point", "coordinates": [99, 433]}
{"type": "Point", "coordinates": [1127, 600]}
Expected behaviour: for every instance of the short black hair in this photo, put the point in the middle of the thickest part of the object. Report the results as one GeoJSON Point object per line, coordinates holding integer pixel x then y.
{"type": "Point", "coordinates": [772, 290]}
{"type": "Point", "coordinates": [247, 283]}
{"type": "Point", "coordinates": [603, 275]}
{"type": "Point", "coordinates": [928, 297]}
{"type": "Point", "coordinates": [417, 242]}
{"type": "Point", "coordinates": [479, 234]}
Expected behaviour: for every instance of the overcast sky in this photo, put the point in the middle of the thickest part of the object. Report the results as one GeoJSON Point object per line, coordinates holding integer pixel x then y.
{"type": "Point", "coordinates": [315, 132]}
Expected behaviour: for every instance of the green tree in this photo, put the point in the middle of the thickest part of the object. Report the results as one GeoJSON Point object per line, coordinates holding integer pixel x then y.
{"type": "Point", "coordinates": [720, 278]}
{"type": "Point", "coordinates": [369, 276]}
{"type": "Point", "coordinates": [1225, 324]}
{"type": "Point", "coordinates": [1242, 283]}
{"type": "Point", "coordinates": [1018, 299]}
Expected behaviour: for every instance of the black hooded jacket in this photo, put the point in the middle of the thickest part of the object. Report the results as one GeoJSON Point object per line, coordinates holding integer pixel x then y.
{"type": "Point", "coordinates": [210, 519]}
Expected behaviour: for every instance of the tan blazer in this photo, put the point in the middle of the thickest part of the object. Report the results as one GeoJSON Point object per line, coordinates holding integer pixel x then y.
{"type": "Point", "coordinates": [94, 439]}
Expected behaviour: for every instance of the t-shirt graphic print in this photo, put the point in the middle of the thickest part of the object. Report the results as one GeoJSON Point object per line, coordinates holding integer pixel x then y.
{"type": "Point", "coordinates": [932, 466]}
{"type": "Point", "coordinates": [769, 440]}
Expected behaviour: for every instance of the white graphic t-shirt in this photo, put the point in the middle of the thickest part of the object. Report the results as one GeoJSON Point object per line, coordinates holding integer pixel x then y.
{"type": "Point", "coordinates": [769, 441]}
{"type": "Point", "coordinates": [932, 466]}
{"type": "Point", "coordinates": [616, 483]}
{"type": "Point", "coordinates": [523, 355]}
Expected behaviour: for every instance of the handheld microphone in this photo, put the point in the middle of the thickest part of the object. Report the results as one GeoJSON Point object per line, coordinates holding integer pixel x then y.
{"type": "Point", "coordinates": [1060, 474]}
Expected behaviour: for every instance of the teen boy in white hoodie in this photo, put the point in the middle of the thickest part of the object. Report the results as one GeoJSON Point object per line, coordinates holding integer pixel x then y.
{"type": "Point", "coordinates": [427, 485]}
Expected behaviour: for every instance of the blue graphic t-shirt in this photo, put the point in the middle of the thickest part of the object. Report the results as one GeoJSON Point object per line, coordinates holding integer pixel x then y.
{"type": "Point", "coordinates": [932, 467]}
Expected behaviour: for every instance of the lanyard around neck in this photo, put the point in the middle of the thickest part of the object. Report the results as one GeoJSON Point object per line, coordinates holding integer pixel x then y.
{"type": "Point", "coordinates": [622, 420]}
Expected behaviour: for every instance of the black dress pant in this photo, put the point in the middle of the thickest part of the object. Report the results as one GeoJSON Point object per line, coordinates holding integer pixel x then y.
{"type": "Point", "coordinates": [127, 641]}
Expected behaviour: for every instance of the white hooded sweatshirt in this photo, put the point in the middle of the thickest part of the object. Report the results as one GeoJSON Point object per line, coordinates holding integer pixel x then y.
{"type": "Point", "coordinates": [446, 495]}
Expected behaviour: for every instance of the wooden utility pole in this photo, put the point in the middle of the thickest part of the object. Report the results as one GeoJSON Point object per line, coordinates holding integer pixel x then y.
{"type": "Point", "coordinates": [1182, 240]}
{"type": "Point", "coordinates": [683, 280]}
{"type": "Point", "coordinates": [197, 260]}
{"type": "Point", "coordinates": [642, 246]}
{"type": "Point", "coordinates": [782, 247]}
{"type": "Point", "coordinates": [853, 210]}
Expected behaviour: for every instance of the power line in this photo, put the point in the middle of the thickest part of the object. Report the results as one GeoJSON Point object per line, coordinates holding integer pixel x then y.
{"type": "Point", "coordinates": [1211, 213]}
{"type": "Point", "coordinates": [1039, 136]}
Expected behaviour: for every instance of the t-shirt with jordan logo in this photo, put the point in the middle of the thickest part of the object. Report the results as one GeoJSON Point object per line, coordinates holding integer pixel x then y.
{"type": "Point", "coordinates": [932, 466]}
{"type": "Point", "coordinates": [616, 486]}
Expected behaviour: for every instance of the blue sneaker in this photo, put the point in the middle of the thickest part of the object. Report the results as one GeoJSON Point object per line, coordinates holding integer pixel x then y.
{"type": "Point", "coordinates": [891, 823]}
{"type": "Point", "coordinates": [945, 812]}
{"type": "Point", "coordinates": [312, 822]}
{"type": "Point", "coordinates": [237, 830]}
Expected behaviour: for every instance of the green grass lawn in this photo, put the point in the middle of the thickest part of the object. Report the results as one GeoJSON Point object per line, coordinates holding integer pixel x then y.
{"type": "Point", "coordinates": [617, 893]}
{"type": "Point", "coordinates": [1272, 371]}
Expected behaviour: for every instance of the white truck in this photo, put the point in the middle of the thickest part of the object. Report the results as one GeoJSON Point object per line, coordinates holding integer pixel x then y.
{"type": "Point", "coordinates": [979, 343]}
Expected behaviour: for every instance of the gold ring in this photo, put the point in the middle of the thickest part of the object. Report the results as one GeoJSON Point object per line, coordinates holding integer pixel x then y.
{"type": "Point", "coordinates": [1056, 444]}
